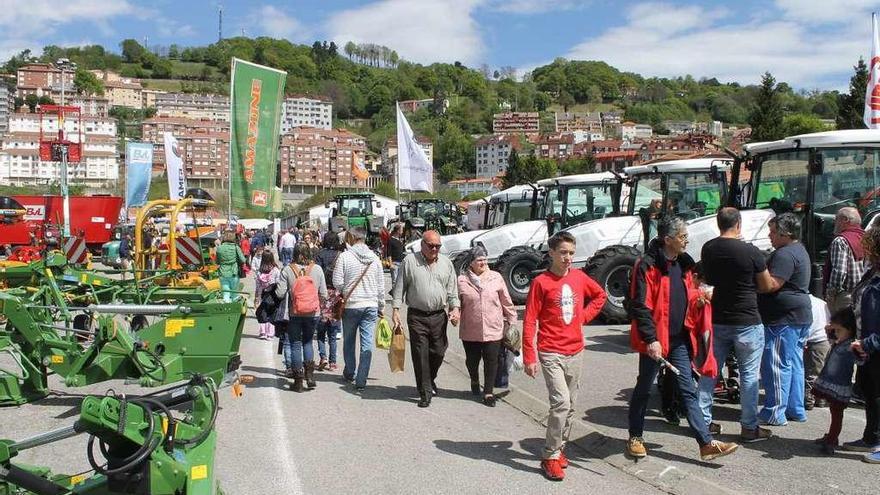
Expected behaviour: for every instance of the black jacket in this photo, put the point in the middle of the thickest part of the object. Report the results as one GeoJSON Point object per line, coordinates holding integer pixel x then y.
{"type": "Point", "coordinates": [396, 249]}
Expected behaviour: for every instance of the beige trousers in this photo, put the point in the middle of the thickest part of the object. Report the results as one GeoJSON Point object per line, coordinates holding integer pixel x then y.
{"type": "Point", "coordinates": [562, 374]}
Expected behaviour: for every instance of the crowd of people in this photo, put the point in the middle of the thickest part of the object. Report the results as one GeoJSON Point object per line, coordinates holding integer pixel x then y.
{"type": "Point", "coordinates": [688, 320]}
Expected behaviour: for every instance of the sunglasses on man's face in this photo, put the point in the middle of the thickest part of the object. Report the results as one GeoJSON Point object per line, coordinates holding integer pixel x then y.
{"type": "Point", "coordinates": [432, 246]}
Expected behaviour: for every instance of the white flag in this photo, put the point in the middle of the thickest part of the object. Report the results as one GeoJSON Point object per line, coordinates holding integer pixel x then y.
{"type": "Point", "coordinates": [872, 92]}
{"type": "Point", "coordinates": [174, 168]}
{"type": "Point", "coordinates": [414, 170]}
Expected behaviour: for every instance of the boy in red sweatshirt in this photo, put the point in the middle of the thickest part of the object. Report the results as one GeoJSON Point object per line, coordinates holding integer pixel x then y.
{"type": "Point", "coordinates": [560, 302]}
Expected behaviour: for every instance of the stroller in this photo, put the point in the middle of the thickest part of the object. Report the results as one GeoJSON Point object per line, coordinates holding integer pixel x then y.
{"type": "Point", "coordinates": [726, 389]}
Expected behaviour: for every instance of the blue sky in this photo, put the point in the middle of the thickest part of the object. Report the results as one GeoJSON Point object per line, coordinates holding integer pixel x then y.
{"type": "Point", "coordinates": [808, 43]}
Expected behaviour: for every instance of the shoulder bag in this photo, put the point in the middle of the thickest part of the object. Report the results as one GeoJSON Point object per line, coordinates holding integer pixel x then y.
{"type": "Point", "coordinates": [339, 307]}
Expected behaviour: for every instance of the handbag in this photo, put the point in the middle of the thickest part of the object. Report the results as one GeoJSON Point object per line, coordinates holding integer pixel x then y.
{"type": "Point", "coordinates": [512, 339]}
{"type": "Point", "coordinates": [339, 306]}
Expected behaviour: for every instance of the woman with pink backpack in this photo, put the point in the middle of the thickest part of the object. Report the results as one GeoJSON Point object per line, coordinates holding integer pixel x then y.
{"type": "Point", "coordinates": [302, 285]}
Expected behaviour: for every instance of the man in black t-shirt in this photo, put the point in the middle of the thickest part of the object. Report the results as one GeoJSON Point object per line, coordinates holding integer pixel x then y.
{"type": "Point", "coordinates": [787, 314]}
{"type": "Point", "coordinates": [736, 270]}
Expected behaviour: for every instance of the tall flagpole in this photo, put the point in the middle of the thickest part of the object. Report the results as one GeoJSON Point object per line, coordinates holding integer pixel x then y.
{"type": "Point", "coordinates": [397, 167]}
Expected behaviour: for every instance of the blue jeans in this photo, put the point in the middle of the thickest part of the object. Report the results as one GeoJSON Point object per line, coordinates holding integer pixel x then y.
{"type": "Point", "coordinates": [328, 330]}
{"type": "Point", "coordinates": [395, 269]}
{"type": "Point", "coordinates": [358, 322]}
{"type": "Point", "coordinates": [286, 256]}
{"type": "Point", "coordinates": [638, 405]}
{"type": "Point", "coordinates": [505, 361]}
{"type": "Point", "coordinates": [300, 332]}
{"type": "Point", "coordinates": [782, 373]}
{"type": "Point", "coordinates": [229, 286]}
{"type": "Point", "coordinates": [748, 344]}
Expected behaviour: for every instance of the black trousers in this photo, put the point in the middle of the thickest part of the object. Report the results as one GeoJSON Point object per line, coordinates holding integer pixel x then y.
{"type": "Point", "coordinates": [428, 343]}
{"type": "Point", "coordinates": [488, 352]}
{"type": "Point", "coordinates": [868, 381]}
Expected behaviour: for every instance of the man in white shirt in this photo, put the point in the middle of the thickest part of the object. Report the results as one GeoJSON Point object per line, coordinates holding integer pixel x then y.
{"type": "Point", "coordinates": [285, 247]}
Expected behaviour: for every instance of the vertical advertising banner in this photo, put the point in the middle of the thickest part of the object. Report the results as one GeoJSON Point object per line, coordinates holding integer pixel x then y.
{"type": "Point", "coordinates": [174, 168]}
{"type": "Point", "coordinates": [256, 95]}
{"type": "Point", "coordinates": [138, 168]}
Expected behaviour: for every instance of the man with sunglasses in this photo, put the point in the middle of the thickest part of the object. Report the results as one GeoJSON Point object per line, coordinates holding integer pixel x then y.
{"type": "Point", "coordinates": [427, 283]}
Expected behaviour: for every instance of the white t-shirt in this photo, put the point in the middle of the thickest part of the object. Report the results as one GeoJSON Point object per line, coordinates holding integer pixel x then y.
{"type": "Point", "coordinates": [288, 241]}
{"type": "Point", "coordinates": [821, 316]}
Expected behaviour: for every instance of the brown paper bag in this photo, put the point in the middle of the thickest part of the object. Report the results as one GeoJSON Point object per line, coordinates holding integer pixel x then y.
{"type": "Point", "coordinates": [397, 353]}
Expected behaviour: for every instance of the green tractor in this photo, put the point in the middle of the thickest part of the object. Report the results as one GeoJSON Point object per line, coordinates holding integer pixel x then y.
{"type": "Point", "coordinates": [356, 210]}
{"type": "Point", "coordinates": [421, 215]}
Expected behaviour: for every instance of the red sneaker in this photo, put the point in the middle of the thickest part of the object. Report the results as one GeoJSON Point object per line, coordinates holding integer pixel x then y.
{"type": "Point", "coordinates": [552, 469]}
{"type": "Point", "coordinates": [563, 461]}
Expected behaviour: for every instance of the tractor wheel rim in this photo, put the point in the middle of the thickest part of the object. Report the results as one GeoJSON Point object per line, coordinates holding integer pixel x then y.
{"type": "Point", "coordinates": [617, 284]}
{"type": "Point", "coordinates": [520, 276]}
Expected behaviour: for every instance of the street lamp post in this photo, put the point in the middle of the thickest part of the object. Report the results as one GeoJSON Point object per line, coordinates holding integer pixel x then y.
{"type": "Point", "coordinates": [63, 64]}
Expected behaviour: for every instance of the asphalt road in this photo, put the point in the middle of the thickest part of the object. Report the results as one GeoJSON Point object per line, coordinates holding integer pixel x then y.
{"type": "Point", "coordinates": [332, 440]}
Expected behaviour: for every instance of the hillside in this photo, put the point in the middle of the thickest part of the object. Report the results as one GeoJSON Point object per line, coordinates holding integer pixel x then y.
{"type": "Point", "coordinates": [365, 81]}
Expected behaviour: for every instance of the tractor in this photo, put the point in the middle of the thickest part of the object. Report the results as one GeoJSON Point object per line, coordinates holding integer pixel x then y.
{"type": "Point", "coordinates": [514, 249]}
{"type": "Point", "coordinates": [356, 210]}
{"type": "Point", "coordinates": [421, 215]}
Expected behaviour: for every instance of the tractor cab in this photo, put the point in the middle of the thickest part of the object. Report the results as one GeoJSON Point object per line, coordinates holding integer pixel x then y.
{"type": "Point", "coordinates": [421, 215]}
{"type": "Point", "coordinates": [575, 199]}
{"type": "Point", "coordinates": [356, 210]}
{"type": "Point", "coordinates": [814, 176]}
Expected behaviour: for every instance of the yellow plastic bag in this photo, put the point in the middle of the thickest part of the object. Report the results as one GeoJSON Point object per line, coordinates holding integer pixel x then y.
{"type": "Point", "coordinates": [383, 334]}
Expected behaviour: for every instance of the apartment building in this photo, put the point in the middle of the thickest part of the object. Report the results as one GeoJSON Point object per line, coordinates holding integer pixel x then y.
{"type": "Point", "coordinates": [43, 77]}
{"type": "Point", "coordinates": [204, 146]}
{"type": "Point", "coordinates": [572, 121]}
{"type": "Point", "coordinates": [516, 123]}
{"type": "Point", "coordinates": [7, 104]}
{"type": "Point", "coordinates": [148, 97]}
{"type": "Point", "coordinates": [20, 162]}
{"type": "Point", "coordinates": [554, 146]}
{"type": "Point", "coordinates": [630, 131]}
{"type": "Point", "coordinates": [124, 93]}
{"type": "Point", "coordinates": [492, 154]}
{"type": "Point", "coordinates": [412, 106]}
{"type": "Point", "coordinates": [321, 158]}
{"type": "Point", "coordinates": [306, 111]}
{"type": "Point", "coordinates": [192, 106]}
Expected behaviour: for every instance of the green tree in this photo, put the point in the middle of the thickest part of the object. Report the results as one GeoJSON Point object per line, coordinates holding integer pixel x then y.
{"type": "Point", "coordinates": [766, 118]}
{"type": "Point", "coordinates": [162, 68]}
{"type": "Point", "coordinates": [87, 83]}
{"type": "Point", "coordinates": [31, 101]}
{"type": "Point", "coordinates": [132, 51]}
{"type": "Point", "coordinates": [349, 49]}
{"type": "Point", "coordinates": [387, 189]}
{"type": "Point", "coordinates": [448, 172]}
{"type": "Point", "coordinates": [566, 100]}
{"type": "Point", "coordinates": [801, 123]}
{"type": "Point", "coordinates": [851, 106]}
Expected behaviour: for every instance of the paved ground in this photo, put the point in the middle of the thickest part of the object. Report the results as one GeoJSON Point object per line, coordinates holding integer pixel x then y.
{"type": "Point", "coordinates": [330, 440]}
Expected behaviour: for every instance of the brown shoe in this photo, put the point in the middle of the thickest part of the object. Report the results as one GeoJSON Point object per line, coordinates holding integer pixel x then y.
{"type": "Point", "coordinates": [635, 447]}
{"type": "Point", "coordinates": [756, 435]}
{"type": "Point", "coordinates": [717, 449]}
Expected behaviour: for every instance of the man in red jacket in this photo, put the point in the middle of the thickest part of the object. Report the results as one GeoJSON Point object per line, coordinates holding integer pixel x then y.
{"type": "Point", "coordinates": [658, 306]}
{"type": "Point", "coordinates": [560, 302]}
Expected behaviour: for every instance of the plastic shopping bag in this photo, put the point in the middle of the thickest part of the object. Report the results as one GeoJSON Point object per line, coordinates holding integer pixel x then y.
{"type": "Point", "coordinates": [397, 353]}
{"type": "Point", "coordinates": [383, 335]}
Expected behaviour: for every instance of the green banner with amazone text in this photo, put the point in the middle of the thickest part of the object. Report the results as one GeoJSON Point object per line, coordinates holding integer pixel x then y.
{"type": "Point", "coordinates": [256, 95]}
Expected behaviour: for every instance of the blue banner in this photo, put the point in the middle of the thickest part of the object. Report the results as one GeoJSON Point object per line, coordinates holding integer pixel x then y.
{"type": "Point", "coordinates": [138, 169]}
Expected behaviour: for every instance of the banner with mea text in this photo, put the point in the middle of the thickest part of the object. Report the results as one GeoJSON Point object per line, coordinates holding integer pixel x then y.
{"type": "Point", "coordinates": [256, 95]}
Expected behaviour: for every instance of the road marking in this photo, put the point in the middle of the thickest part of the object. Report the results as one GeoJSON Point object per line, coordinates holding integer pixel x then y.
{"type": "Point", "coordinates": [288, 469]}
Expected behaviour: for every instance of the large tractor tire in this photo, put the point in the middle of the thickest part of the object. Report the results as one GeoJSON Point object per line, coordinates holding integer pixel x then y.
{"type": "Point", "coordinates": [611, 268]}
{"type": "Point", "coordinates": [516, 266]}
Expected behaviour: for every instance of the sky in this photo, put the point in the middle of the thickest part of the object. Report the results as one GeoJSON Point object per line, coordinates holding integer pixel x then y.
{"type": "Point", "coordinates": [810, 44]}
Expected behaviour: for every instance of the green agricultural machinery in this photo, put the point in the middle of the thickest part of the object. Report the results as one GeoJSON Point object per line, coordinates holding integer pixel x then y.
{"type": "Point", "coordinates": [421, 215]}
{"type": "Point", "coordinates": [146, 448]}
{"type": "Point", "coordinates": [87, 328]}
{"type": "Point", "coordinates": [356, 210]}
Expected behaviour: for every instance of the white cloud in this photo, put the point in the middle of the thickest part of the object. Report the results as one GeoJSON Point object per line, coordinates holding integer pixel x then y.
{"type": "Point", "coordinates": [35, 17]}
{"type": "Point", "coordinates": [825, 11]}
{"type": "Point", "coordinates": [278, 24]}
{"type": "Point", "coordinates": [668, 40]}
{"type": "Point", "coordinates": [527, 7]}
{"type": "Point", "coordinates": [419, 30]}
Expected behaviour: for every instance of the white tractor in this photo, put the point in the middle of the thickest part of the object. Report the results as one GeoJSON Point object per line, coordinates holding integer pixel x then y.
{"type": "Point", "coordinates": [514, 248]}
{"type": "Point", "coordinates": [515, 204]}
{"type": "Point", "coordinates": [812, 175]}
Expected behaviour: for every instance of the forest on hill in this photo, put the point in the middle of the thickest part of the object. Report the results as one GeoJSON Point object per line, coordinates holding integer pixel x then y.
{"type": "Point", "coordinates": [365, 80]}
